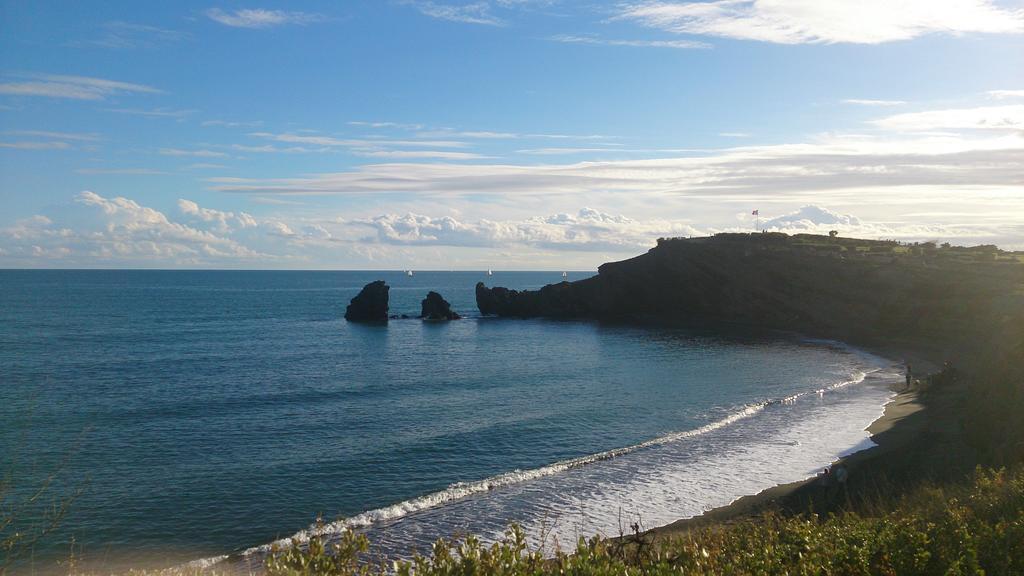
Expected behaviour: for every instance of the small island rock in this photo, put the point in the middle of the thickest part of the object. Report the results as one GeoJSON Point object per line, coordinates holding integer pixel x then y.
{"type": "Point", "coordinates": [435, 307]}
{"type": "Point", "coordinates": [370, 305]}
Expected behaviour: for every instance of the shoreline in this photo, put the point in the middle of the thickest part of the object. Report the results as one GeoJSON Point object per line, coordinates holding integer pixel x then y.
{"type": "Point", "coordinates": [734, 507]}
{"type": "Point", "coordinates": [905, 420]}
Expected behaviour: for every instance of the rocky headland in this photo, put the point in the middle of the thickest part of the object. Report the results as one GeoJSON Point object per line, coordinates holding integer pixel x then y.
{"type": "Point", "coordinates": [861, 291]}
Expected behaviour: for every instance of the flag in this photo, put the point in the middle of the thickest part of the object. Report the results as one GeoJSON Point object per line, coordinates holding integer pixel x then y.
{"type": "Point", "coordinates": [754, 213]}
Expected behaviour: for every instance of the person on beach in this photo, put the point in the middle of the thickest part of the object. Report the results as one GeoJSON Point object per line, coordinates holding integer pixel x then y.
{"type": "Point", "coordinates": [910, 378]}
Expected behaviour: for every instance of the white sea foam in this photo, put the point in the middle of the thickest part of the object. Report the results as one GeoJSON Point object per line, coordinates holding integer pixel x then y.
{"type": "Point", "coordinates": [461, 490]}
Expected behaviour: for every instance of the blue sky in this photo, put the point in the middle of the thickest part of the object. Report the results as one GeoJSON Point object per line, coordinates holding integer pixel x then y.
{"type": "Point", "coordinates": [498, 133]}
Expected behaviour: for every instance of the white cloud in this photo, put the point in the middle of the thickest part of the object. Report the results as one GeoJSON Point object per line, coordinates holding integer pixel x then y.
{"type": "Point", "coordinates": [442, 154]}
{"type": "Point", "coordinates": [1006, 118]}
{"type": "Point", "coordinates": [556, 151]}
{"type": "Point", "coordinates": [587, 230]}
{"type": "Point", "coordinates": [223, 221]}
{"type": "Point", "coordinates": [474, 13]}
{"type": "Point", "coordinates": [974, 177]}
{"type": "Point", "coordinates": [481, 134]}
{"type": "Point", "coordinates": [1005, 94]}
{"type": "Point", "coordinates": [97, 230]}
{"type": "Point", "coordinates": [71, 87]}
{"type": "Point", "coordinates": [863, 102]}
{"type": "Point", "coordinates": [830, 163]}
{"type": "Point", "coordinates": [195, 153]}
{"type": "Point", "coordinates": [271, 149]}
{"type": "Point", "coordinates": [810, 218]}
{"type": "Point", "coordinates": [494, 135]}
{"type": "Point", "coordinates": [55, 135]}
{"type": "Point", "coordinates": [813, 219]}
{"type": "Point", "coordinates": [261, 18]}
{"type": "Point", "coordinates": [125, 35]}
{"type": "Point", "coordinates": [366, 147]}
{"type": "Point", "coordinates": [399, 125]}
{"type": "Point", "coordinates": [825, 21]}
{"type": "Point", "coordinates": [231, 124]}
{"type": "Point", "coordinates": [121, 171]}
{"type": "Point", "coordinates": [683, 44]}
{"type": "Point", "coordinates": [35, 145]}
{"type": "Point", "coordinates": [155, 113]}
{"type": "Point", "coordinates": [610, 149]}
{"type": "Point", "coordinates": [363, 143]}
{"type": "Point", "coordinates": [280, 229]}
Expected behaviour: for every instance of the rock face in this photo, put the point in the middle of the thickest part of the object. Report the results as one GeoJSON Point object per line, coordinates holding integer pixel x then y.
{"type": "Point", "coordinates": [556, 300]}
{"type": "Point", "coordinates": [851, 289]}
{"type": "Point", "coordinates": [434, 307]}
{"type": "Point", "coordinates": [494, 300]}
{"type": "Point", "coordinates": [370, 305]}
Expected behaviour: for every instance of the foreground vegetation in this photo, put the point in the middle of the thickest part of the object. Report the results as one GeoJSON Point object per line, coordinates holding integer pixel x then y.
{"type": "Point", "coordinates": [971, 528]}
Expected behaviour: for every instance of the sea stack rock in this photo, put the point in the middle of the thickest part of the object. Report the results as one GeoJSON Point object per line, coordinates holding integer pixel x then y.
{"type": "Point", "coordinates": [370, 305]}
{"type": "Point", "coordinates": [437, 308]}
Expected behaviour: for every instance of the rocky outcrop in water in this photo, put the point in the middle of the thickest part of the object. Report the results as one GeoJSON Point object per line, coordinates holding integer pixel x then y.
{"type": "Point", "coordinates": [494, 301]}
{"type": "Point", "coordinates": [556, 300]}
{"type": "Point", "coordinates": [370, 305]}
{"type": "Point", "coordinates": [434, 307]}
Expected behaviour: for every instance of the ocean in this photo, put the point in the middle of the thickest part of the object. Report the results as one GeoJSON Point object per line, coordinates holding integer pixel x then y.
{"type": "Point", "coordinates": [203, 413]}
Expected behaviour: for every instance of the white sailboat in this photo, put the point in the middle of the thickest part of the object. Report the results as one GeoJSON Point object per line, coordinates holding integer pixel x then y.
{"type": "Point", "coordinates": [565, 275]}
{"type": "Point", "coordinates": [408, 272]}
{"type": "Point", "coordinates": [489, 273]}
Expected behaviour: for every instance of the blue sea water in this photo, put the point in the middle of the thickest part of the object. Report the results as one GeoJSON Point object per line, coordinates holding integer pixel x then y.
{"type": "Point", "coordinates": [202, 413]}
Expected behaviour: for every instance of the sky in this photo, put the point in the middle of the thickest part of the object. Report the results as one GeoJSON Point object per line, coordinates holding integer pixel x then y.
{"type": "Point", "coordinates": [502, 134]}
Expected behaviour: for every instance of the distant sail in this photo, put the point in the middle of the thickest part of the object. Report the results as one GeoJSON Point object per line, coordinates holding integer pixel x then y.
{"type": "Point", "coordinates": [408, 272]}
{"type": "Point", "coordinates": [489, 273]}
{"type": "Point", "coordinates": [565, 274]}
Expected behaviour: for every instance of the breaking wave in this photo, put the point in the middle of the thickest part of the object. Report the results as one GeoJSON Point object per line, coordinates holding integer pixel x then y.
{"type": "Point", "coordinates": [460, 490]}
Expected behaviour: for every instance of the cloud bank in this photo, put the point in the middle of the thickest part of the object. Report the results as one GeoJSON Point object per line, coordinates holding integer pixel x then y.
{"type": "Point", "coordinates": [94, 230]}
{"type": "Point", "coordinates": [825, 21]}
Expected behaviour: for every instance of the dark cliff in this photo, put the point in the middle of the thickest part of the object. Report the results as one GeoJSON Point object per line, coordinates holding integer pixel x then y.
{"type": "Point", "coordinates": [860, 290]}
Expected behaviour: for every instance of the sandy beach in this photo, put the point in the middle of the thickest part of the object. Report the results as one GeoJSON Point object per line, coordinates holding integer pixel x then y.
{"type": "Point", "coordinates": [916, 436]}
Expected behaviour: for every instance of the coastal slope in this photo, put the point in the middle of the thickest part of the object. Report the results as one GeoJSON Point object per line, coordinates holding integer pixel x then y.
{"type": "Point", "coordinates": [869, 292]}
